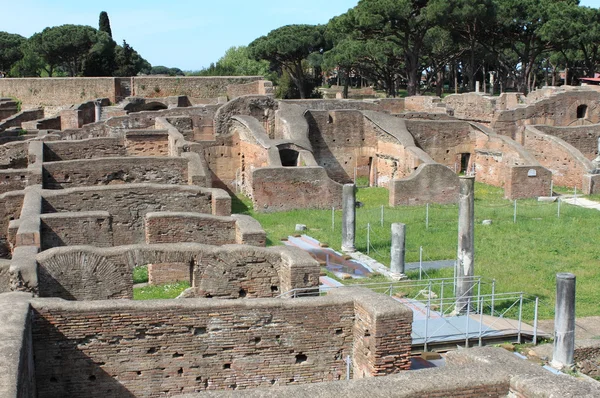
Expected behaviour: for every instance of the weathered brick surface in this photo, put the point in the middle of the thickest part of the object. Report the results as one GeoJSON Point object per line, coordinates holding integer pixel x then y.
{"type": "Point", "coordinates": [157, 348]}
{"type": "Point", "coordinates": [584, 138]}
{"type": "Point", "coordinates": [10, 209]}
{"type": "Point", "coordinates": [83, 149]}
{"type": "Point", "coordinates": [13, 155]}
{"type": "Point", "coordinates": [13, 180]}
{"type": "Point", "coordinates": [147, 143]}
{"type": "Point", "coordinates": [192, 86]}
{"type": "Point", "coordinates": [283, 189]}
{"type": "Point", "coordinates": [57, 91]}
{"type": "Point", "coordinates": [567, 166]}
{"type": "Point", "coordinates": [174, 227]}
{"type": "Point", "coordinates": [128, 204]}
{"type": "Point", "coordinates": [73, 229]}
{"type": "Point", "coordinates": [106, 171]}
{"type": "Point", "coordinates": [235, 271]}
{"type": "Point", "coordinates": [337, 138]}
{"type": "Point", "coordinates": [162, 273]}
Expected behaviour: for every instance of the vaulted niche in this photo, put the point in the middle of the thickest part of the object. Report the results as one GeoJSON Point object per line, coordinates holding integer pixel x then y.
{"type": "Point", "coordinates": [289, 157]}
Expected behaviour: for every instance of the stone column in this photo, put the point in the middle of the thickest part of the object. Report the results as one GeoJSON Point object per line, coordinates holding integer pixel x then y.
{"type": "Point", "coordinates": [466, 247]}
{"type": "Point", "coordinates": [98, 110]}
{"type": "Point", "coordinates": [348, 217]}
{"type": "Point", "coordinates": [564, 321]}
{"type": "Point", "coordinates": [398, 248]}
{"type": "Point", "coordinates": [477, 86]}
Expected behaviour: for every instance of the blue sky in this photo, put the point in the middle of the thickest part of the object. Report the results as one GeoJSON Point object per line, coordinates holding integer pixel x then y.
{"type": "Point", "coordinates": [185, 34]}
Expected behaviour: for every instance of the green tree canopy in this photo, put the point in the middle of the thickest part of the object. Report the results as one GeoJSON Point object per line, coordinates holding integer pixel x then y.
{"type": "Point", "coordinates": [129, 62]}
{"type": "Point", "coordinates": [104, 24]}
{"type": "Point", "coordinates": [10, 50]}
{"type": "Point", "coordinates": [287, 47]}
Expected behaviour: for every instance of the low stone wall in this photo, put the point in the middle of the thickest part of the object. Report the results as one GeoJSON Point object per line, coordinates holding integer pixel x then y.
{"type": "Point", "coordinates": [260, 87]}
{"type": "Point", "coordinates": [58, 91]}
{"type": "Point", "coordinates": [21, 117]}
{"type": "Point", "coordinates": [128, 204]}
{"type": "Point", "coordinates": [83, 149]}
{"type": "Point", "coordinates": [473, 373]}
{"type": "Point", "coordinates": [78, 115]}
{"type": "Point", "coordinates": [147, 143]}
{"type": "Point", "coordinates": [17, 373]}
{"type": "Point", "coordinates": [49, 123]}
{"type": "Point", "coordinates": [472, 106]}
{"type": "Point", "coordinates": [236, 345]}
{"type": "Point", "coordinates": [230, 271]}
{"type": "Point", "coordinates": [14, 155]}
{"type": "Point", "coordinates": [106, 171]}
{"type": "Point", "coordinates": [172, 227]}
{"type": "Point", "coordinates": [288, 188]}
{"type": "Point", "coordinates": [13, 180]}
{"type": "Point", "coordinates": [567, 164]}
{"type": "Point", "coordinates": [72, 229]}
{"type": "Point", "coordinates": [191, 86]}
{"type": "Point", "coordinates": [10, 209]}
{"type": "Point", "coordinates": [583, 138]}
{"type": "Point", "coordinates": [430, 183]}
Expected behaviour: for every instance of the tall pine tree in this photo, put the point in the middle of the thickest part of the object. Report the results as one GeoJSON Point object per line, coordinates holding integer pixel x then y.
{"type": "Point", "coordinates": [104, 24]}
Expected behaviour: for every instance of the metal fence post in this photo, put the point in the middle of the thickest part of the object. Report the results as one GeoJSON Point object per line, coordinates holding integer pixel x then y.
{"type": "Point", "coordinates": [535, 320]}
{"type": "Point", "coordinates": [520, 318]}
{"type": "Point", "coordinates": [467, 328]}
{"type": "Point", "coordinates": [333, 218]}
{"type": "Point", "coordinates": [420, 262]}
{"type": "Point", "coordinates": [515, 213]}
{"type": "Point", "coordinates": [368, 237]}
{"type": "Point", "coordinates": [382, 215]}
{"type": "Point", "coordinates": [442, 298]}
{"type": "Point", "coordinates": [480, 304]}
{"type": "Point", "coordinates": [427, 217]}
{"type": "Point", "coordinates": [493, 297]}
{"type": "Point", "coordinates": [348, 367]}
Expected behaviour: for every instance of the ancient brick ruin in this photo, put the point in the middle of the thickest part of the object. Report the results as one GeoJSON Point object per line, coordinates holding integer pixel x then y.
{"type": "Point", "coordinates": [141, 171]}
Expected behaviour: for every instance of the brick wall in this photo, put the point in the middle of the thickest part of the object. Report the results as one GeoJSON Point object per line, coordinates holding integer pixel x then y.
{"type": "Point", "coordinates": [192, 86]}
{"type": "Point", "coordinates": [584, 138]}
{"type": "Point", "coordinates": [72, 229]}
{"type": "Point", "coordinates": [57, 91]}
{"type": "Point", "coordinates": [288, 188]}
{"type": "Point", "coordinates": [232, 271]}
{"type": "Point", "coordinates": [21, 117]}
{"type": "Point", "coordinates": [430, 183]}
{"type": "Point", "coordinates": [337, 138]}
{"type": "Point", "coordinates": [106, 171]}
{"type": "Point", "coordinates": [83, 149]}
{"type": "Point", "coordinates": [189, 227]}
{"type": "Point", "coordinates": [128, 204]}
{"type": "Point", "coordinates": [147, 143]}
{"type": "Point", "coordinates": [567, 166]}
{"type": "Point", "coordinates": [113, 348]}
{"type": "Point", "coordinates": [10, 209]}
{"type": "Point", "coordinates": [13, 180]}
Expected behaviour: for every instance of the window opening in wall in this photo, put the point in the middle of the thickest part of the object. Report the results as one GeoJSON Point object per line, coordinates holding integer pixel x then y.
{"type": "Point", "coordinates": [582, 112]}
{"type": "Point", "coordinates": [464, 162]}
{"type": "Point", "coordinates": [289, 157]}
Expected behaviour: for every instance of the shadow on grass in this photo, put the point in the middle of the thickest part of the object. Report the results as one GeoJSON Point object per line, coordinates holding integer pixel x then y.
{"type": "Point", "coordinates": [239, 207]}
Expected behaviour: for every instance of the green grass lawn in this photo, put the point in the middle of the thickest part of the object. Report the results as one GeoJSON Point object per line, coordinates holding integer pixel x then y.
{"type": "Point", "coordinates": [523, 256]}
{"type": "Point", "coordinates": [167, 291]}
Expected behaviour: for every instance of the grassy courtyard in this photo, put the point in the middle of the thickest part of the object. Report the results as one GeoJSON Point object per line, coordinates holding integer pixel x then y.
{"type": "Point", "coordinates": [521, 256]}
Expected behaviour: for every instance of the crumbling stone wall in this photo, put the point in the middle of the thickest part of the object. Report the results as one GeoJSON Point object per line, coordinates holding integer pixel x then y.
{"type": "Point", "coordinates": [147, 143]}
{"type": "Point", "coordinates": [106, 171]}
{"type": "Point", "coordinates": [444, 140]}
{"type": "Point", "coordinates": [584, 138]}
{"type": "Point", "coordinates": [337, 138]}
{"type": "Point", "coordinates": [208, 345]}
{"type": "Point", "coordinates": [430, 183]}
{"type": "Point", "coordinates": [58, 91]}
{"type": "Point", "coordinates": [78, 115]}
{"type": "Point", "coordinates": [557, 110]}
{"type": "Point", "coordinates": [128, 204]}
{"type": "Point", "coordinates": [192, 86]}
{"type": "Point", "coordinates": [13, 180]}
{"type": "Point", "coordinates": [73, 229]}
{"type": "Point", "coordinates": [283, 189]}
{"type": "Point", "coordinates": [567, 164]}
{"type": "Point", "coordinates": [175, 227]}
{"type": "Point", "coordinates": [88, 273]}
{"type": "Point", "coordinates": [83, 149]}
{"type": "Point", "coordinates": [24, 116]}
{"type": "Point", "coordinates": [10, 209]}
